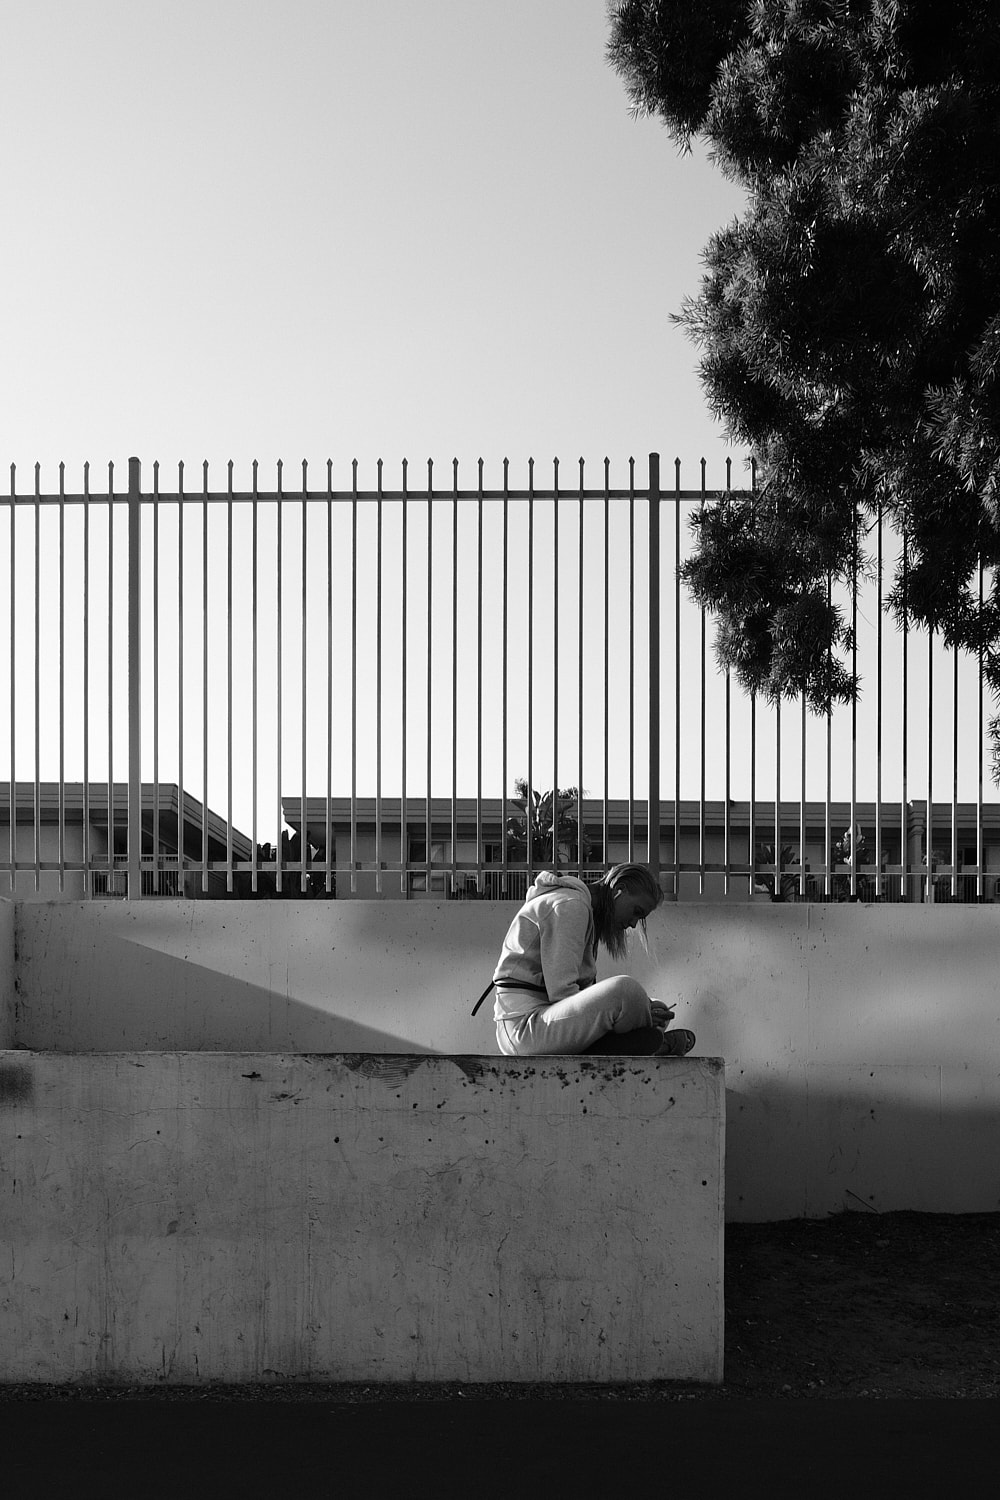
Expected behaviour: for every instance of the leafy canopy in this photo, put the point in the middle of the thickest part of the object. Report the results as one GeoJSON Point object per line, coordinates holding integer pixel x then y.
{"type": "Point", "coordinates": [849, 320]}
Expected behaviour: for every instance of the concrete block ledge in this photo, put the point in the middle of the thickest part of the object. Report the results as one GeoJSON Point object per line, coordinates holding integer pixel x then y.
{"type": "Point", "coordinates": [194, 1216]}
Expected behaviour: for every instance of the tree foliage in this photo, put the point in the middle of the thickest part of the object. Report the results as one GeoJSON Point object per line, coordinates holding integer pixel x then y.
{"type": "Point", "coordinates": [849, 320]}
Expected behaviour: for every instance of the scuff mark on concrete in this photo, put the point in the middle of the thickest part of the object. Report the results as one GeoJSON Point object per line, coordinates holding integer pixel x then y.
{"type": "Point", "coordinates": [474, 1068]}
{"type": "Point", "coordinates": [17, 1084]}
{"type": "Point", "coordinates": [386, 1067]}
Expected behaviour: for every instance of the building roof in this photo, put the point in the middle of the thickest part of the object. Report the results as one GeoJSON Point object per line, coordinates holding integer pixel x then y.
{"type": "Point", "coordinates": [160, 808]}
{"type": "Point", "coordinates": [342, 811]}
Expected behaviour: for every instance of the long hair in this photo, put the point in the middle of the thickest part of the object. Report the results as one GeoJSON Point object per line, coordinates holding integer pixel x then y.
{"type": "Point", "coordinates": [637, 880]}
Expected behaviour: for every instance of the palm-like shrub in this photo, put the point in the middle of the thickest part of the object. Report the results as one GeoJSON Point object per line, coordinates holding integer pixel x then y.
{"type": "Point", "coordinates": [535, 816]}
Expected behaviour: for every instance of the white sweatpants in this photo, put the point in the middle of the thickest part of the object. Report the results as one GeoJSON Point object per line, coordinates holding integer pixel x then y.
{"type": "Point", "coordinates": [618, 1004]}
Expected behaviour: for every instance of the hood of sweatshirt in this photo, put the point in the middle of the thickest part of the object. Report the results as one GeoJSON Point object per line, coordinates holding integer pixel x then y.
{"type": "Point", "coordinates": [549, 946]}
{"type": "Point", "coordinates": [548, 882]}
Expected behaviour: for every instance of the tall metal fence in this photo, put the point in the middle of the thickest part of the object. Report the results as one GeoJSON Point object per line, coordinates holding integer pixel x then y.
{"type": "Point", "coordinates": [343, 690]}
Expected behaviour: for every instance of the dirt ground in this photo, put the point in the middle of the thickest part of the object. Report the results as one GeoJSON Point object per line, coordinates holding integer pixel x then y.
{"type": "Point", "coordinates": [864, 1304]}
{"type": "Point", "coordinates": [855, 1305]}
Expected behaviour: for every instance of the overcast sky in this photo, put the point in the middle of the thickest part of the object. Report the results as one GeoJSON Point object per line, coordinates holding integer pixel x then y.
{"type": "Point", "coordinates": [312, 229]}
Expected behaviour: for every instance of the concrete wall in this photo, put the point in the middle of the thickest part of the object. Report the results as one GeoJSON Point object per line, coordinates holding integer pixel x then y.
{"type": "Point", "coordinates": [862, 1050]}
{"type": "Point", "coordinates": [862, 1044]}
{"type": "Point", "coordinates": [359, 1218]}
{"type": "Point", "coordinates": [257, 976]}
{"type": "Point", "coordinates": [8, 973]}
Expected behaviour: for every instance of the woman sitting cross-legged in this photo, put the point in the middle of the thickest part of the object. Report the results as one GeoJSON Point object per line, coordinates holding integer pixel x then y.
{"type": "Point", "coordinates": [548, 997]}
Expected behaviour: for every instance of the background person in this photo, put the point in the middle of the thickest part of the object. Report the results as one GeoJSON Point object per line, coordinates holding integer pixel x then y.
{"type": "Point", "coordinates": [548, 997]}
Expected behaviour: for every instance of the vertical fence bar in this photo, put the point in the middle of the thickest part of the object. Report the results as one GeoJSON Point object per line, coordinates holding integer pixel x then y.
{"type": "Point", "coordinates": [504, 672]}
{"type": "Point", "coordinates": [980, 851]}
{"type": "Point", "coordinates": [907, 883]}
{"type": "Point", "coordinates": [727, 836]}
{"type": "Point", "coordinates": [752, 838]}
{"type": "Point", "coordinates": [802, 800]}
{"type": "Point", "coordinates": [454, 675]}
{"type": "Point", "coordinates": [304, 830]}
{"type": "Point", "coordinates": [607, 655]}
{"type": "Point", "coordinates": [479, 684]}
{"type": "Point", "coordinates": [529, 806]}
{"type": "Point", "coordinates": [156, 679]}
{"type": "Point", "coordinates": [704, 685]}
{"type": "Point", "coordinates": [652, 804]}
{"type": "Point", "coordinates": [38, 685]}
{"type": "Point", "coordinates": [328, 884]}
{"type": "Point", "coordinates": [777, 800]}
{"type": "Point", "coordinates": [752, 832]}
{"type": "Point", "coordinates": [88, 874]}
{"type": "Point", "coordinates": [354, 674]}
{"type": "Point", "coordinates": [827, 829]}
{"type": "Point", "coordinates": [134, 681]}
{"type": "Point", "coordinates": [204, 678]}
{"type": "Point", "coordinates": [878, 708]}
{"type": "Point", "coordinates": [631, 665]}
{"type": "Point", "coordinates": [954, 782]}
{"type": "Point", "coordinates": [802, 785]}
{"type": "Point", "coordinates": [854, 705]}
{"type": "Point", "coordinates": [278, 849]}
{"type": "Point", "coordinates": [404, 851]}
{"type": "Point", "coordinates": [12, 786]}
{"type": "Point", "coordinates": [112, 878]}
{"type": "Point", "coordinates": [555, 664]}
{"type": "Point", "coordinates": [580, 684]}
{"type": "Point", "coordinates": [428, 821]}
{"type": "Point", "coordinates": [676, 663]}
{"type": "Point", "coordinates": [378, 683]}
{"type": "Point", "coordinates": [62, 678]}
{"type": "Point", "coordinates": [181, 820]}
{"type": "Point", "coordinates": [253, 680]}
{"type": "Point", "coordinates": [229, 676]}
{"type": "Point", "coordinates": [930, 765]}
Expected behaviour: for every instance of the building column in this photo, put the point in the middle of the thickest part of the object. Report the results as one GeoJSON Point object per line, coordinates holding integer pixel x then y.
{"type": "Point", "coordinates": [914, 885]}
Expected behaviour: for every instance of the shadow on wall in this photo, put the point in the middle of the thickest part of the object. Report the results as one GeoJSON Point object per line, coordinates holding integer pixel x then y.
{"type": "Point", "coordinates": [861, 1139]}
{"type": "Point", "coordinates": [270, 977]}
{"type": "Point", "coordinates": [177, 1005]}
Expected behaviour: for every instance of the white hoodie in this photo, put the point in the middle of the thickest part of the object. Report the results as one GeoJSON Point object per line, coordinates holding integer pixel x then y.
{"type": "Point", "coordinates": [550, 942]}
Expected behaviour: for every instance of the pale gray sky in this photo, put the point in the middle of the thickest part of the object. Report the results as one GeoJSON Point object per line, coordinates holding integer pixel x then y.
{"type": "Point", "coordinates": [322, 229]}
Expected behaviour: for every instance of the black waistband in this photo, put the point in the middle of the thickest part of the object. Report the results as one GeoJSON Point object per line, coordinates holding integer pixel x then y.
{"type": "Point", "coordinates": [509, 984]}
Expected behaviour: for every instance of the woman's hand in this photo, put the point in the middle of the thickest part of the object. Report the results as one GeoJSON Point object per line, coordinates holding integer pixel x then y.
{"type": "Point", "coordinates": [662, 1014]}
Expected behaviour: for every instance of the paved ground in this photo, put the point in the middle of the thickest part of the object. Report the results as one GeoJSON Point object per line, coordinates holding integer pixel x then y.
{"type": "Point", "coordinates": [94, 1448]}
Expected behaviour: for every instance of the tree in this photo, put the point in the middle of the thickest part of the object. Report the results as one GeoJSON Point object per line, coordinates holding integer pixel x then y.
{"type": "Point", "coordinates": [852, 848]}
{"type": "Point", "coordinates": [849, 321]}
{"type": "Point", "coordinates": [534, 811]}
{"type": "Point", "coordinates": [291, 880]}
{"type": "Point", "coordinates": [764, 884]}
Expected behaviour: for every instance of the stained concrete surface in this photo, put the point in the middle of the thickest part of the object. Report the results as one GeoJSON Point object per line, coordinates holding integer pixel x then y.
{"type": "Point", "coordinates": [90, 1447]}
{"type": "Point", "coordinates": [188, 1217]}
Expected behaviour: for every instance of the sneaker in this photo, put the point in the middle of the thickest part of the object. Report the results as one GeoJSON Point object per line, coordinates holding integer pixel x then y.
{"type": "Point", "coordinates": [676, 1043]}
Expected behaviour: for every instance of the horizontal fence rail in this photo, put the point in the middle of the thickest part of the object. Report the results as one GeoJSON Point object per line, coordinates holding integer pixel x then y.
{"type": "Point", "coordinates": [337, 690]}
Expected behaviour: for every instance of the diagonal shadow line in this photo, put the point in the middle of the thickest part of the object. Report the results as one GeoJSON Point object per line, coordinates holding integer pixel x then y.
{"type": "Point", "coordinates": [175, 1003]}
